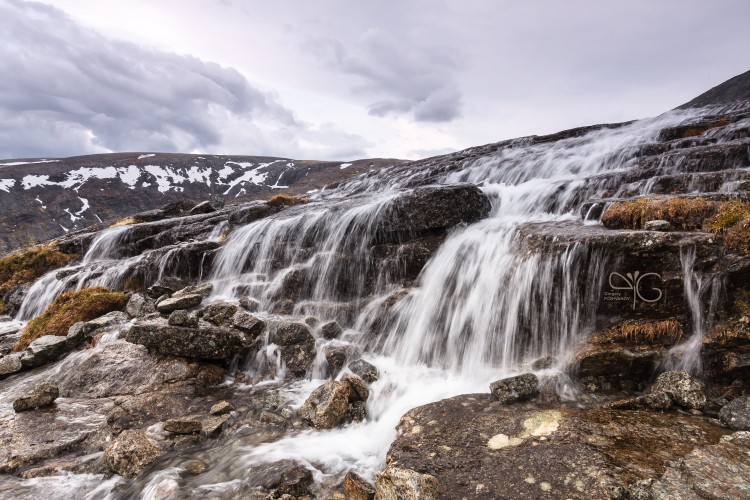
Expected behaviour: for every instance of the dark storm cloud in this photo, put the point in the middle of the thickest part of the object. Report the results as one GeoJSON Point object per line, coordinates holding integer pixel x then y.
{"type": "Point", "coordinates": [404, 75]}
{"type": "Point", "coordinates": [67, 90]}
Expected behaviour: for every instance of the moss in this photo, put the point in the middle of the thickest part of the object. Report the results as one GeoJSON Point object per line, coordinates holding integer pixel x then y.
{"type": "Point", "coordinates": [285, 200]}
{"type": "Point", "coordinates": [668, 331]}
{"type": "Point", "coordinates": [729, 214]}
{"type": "Point", "coordinates": [27, 266]}
{"type": "Point", "coordinates": [737, 238]}
{"type": "Point", "coordinates": [68, 309]}
{"type": "Point", "coordinates": [683, 213]}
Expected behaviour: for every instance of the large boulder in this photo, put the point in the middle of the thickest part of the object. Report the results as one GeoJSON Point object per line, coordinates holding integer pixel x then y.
{"type": "Point", "coordinates": [204, 342]}
{"type": "Point", "coordinates": [736, 414]}
{"type": "Point", "coordinates": [433, 207]}
{"type": "Point", "coordinates": [396, 483]}
{"type": "Point", "coordinates": [296, 345]}
{"type": "Point", "coordinates": [512, 389]}
{"type": "Point", "coordinates": [684, 390]}
{"type": "Point", "coordinates": [326, 407]}
{"type": "Point", "coordinates": [130, 453]}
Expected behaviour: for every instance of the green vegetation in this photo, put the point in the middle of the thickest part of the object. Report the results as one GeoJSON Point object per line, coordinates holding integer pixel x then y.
{"type": "Point", "coordinates": [68, 309]}
{"type": "Point", "coordinates": [285, 200]}
{"type": "Point", "coordinates": [27, 266]}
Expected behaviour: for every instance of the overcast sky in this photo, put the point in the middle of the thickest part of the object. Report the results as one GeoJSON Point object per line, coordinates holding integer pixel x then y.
{"type": "Point", "coordinates": [339, 79]}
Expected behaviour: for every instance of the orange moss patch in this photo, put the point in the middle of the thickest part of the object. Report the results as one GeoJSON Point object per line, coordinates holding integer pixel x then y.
{"type": "Point", "coordinates": [68, 309]}
{"type": "Point", "coordinates": [683, 213]}
{"type": "Point", "coordinates": [27, 266]}
{"type": "Point", "coordinates": [285, 200]}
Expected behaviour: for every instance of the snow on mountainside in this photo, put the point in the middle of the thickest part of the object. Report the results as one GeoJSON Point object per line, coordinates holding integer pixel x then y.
{"type": "Point", "coordinates": [44, 198]}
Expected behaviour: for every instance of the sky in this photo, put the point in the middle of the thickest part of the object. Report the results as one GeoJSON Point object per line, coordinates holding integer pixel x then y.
{"type": "Point", "coordinates": [341, 80]}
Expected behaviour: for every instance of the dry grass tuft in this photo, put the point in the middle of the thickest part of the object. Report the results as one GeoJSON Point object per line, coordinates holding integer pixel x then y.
{"type": "Point", "coordinates": [27, 266]}
{"type": "Point", "coordinates": [668, 331]}
{"type": "Point", "coordinates": [126, 221]}
{"type": "Point", "coordinates": [683, 213]}
{"type": "Point", "coordinates": [68, 309]}
{"type": "Point", "coordinates": [285, 200]}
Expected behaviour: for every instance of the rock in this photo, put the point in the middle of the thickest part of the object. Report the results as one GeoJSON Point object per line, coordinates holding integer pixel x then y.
{"type": "Point", "coordinates": [214, 425]}
{"type": "Point", "coordinates": [42, 396]}
{"type": "Point", "coordinates": [617, 362]}
{"type": "Point", "coordinates": [684, 390]}
{"type": "Point", "coordinates": [209, 342]}
{"type": "Point", "coordinates": [396, 483]}
{"type": "Point", "coordinates": [296, 345]}
{"type": "Point", "coordinates": [248, 323]}
{"type": "Point", "coordinates": [222, 408]}
{"type": "Point", "coordinates": [331, 330]}
{"type": "Point", "coordinates": [249, 213]}
{"type": "Point", "coordinates": [270, 417]}
{"type": "Point", "coordinates": [337, 355]}
{"type": "Point", "coordinates": [713, 471]}
{"type": "Point", "coordinates": [10, 363]}
{"type": "Point", "coordinates": [736, 414]}
{"type": "Point", "coordinates": [472, 443]}
{"type": "Point", "coordinates": [204, 290]}
{"type": "Point", "coordinates": [218, 313]}
{"type": "Point", "coordinates": [433, 207]}
{"type": "Point", "coordinates": [45, 349]}
{"type": "Point", "coordinates": [356, 412]}
{"type": "Point", "coordinates": [203, 207]}
{"type": "Point", "coordinates": [79, 333]}
{"type": "Point", "coordinates": [356, 488]}
{"type": "Point", "coordinates": [288, 333]}
{"type": "Point", "coordinates": [512, 389]}
{"type": "Point", "coordinates": [182, 302]}
{"type": "Point", "coordinates": [183, 426]}
{"type": "Point", "coordinates": [130, 453]}
{"type": "Point", "coordinates": [364, 370]}
{"type": "Point", "coordinates": [110, 319]}
{"type": "Point", "coordinates": [139, 306]}
{"type": "Point", "coordinates": [181, 317]}
{"type": "Point", "coordinates": [657, 225]}
{"type": "Point", "coordinates": [249, 304]}
{"type": "Point", "coordinates": [327, 405]}
{"type": "Point", "coordinates": [312, 321]}
{"type": "Point", "coordinates": [282, 479]}
{"type": "Point", "coordinates": [544, 363]}
{"type": "Point", "coordinates": [165, 286]}
{"type": "Point", "coordinates": [360, 391]}
{"type": "Point", "coordinates": [652, 401]}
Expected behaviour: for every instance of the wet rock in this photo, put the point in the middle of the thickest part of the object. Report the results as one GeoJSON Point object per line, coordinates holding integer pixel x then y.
{"type": "Point", "coordinates": [327, 405]}
{"type": "Point", "coordinates": [652, 401]}
{"type": "Point", "coordinates": [130, 453]}
{"type": "Point", "coordinates": [714, 471]}
{"type": "Point", "coordinates": [312, 321]}
{"type": "Point", "coordinates": [512, 389]}
{"type": "Point", "coordinates": [218, 313]}
{"type": "Point", "coordinates": [337, 355]}
{"type": "Point", "coordinates": [356, 412]}
{"type": "Point", "coordinates": [203, 289]}
{"type": "Point", "coordinates": [110, 319]}
{"type": "Point", "coordinates": [726, 350]}
{"type": "Point", "coordinates": [360, 391]}
{"type": "Point", "coordinates": [222, 408]}
{"type": "Point", "coordinates": [183, 426]}
{"type": "Point", "coordinates": [617, 362]}
{"type": "Point", "coordinates": [433, 207]}
{"type": "Point", "coordinates": [544, 363]}
{"type": "Point", "coordinates": [165, 286]}
{"type": "Point", "coordinates": [397, 483]}
{"type": "Point", "coordinates": [331, 330]}
{"type": "Point", "coordinates": [249, 304]}
{"type": "Point", "coordinates": [472, 443]}
{"type": "Point", "coordinates": [42, 396]}
{"type": "Point", "coordinates": [285, 477]}
{"type": "Point", "coordinates": [45, 349]}
{"type": "Point", "coordinates": [181, 317]}
{"type": "Point", "coordinates": [248, 323]}
{"type": "Point", "coordinates": [205, 342]}
{"type": "Point", "coordinates": [356, 488]}
{"type": "Point", "coordinates": [214, 425]}
{"type": "Point", "coordinates": [182, 302]}
{"type": "Point", "coordinates": [364, 370]}
{"type": "Point", "coordinates": [287, 333]}
{"type": "Point", "coordinates": [736, 414]}
{"type": "Point", "coordinates": [296, 344]}
{"type": "Point", "coordinates": [249, 213]}
{"type": "Point", "coordinates": [657, 225]}
{"type": "Point", "coordinates": [10, 363]}
{"type": "Point", "coordinates": [269, 417]}
{"type": "Point", "coordinates": [79, 333]}
{"type": "Point", "coordinates": [684, 390]}
{"type": "Point", "coordinates": [203, 207]}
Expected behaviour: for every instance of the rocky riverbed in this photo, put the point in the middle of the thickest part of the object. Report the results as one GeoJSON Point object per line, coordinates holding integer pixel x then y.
{"type": "Point", "coordinates": [564, 316]}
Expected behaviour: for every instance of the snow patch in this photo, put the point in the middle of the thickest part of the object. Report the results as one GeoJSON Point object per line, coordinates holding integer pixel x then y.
{"type": "Point", "coordinates": [195, 174]}
{"type": "Point", "coordinates": [41, 202]}
{"type": "Point", "coordinates": [146, 156]}
{"type": "Point", "coordinates": [129, 175]}
{"type": "Point", "coordinates": [31, 181]}
{"type": "Point", "coordinates": [6, 184]}
{"type": "Point", "coordinates": [344, 165]}
{"type": "Point", "coordinates": [164, 176]}
{"type": "Point", "coordinates": [26, 162]}
{"type": "Point", "coordinates": [84, 207]}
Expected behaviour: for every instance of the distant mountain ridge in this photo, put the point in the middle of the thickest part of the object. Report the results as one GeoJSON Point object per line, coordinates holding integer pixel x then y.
{"type": "Point", "coordinates": [46, 198]}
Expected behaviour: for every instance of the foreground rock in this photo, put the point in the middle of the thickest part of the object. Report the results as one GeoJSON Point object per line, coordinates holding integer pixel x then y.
{"type": "Point", "coordinates": [41, 397]}
{"type": "Point", "coordinates": [356, 488]}
{"type": "Point", "coordinates": [130, 453]}
{"type": "Point", "coordinates": [684, 390]}
{"type": "Point", "coordinates": [297, 346]}
{"type": "Point", "coordinates": [326, 407]}
{"type": "Point", "coordinates": [736, 414]}
{"type": "Point", "coordinates": [204, 342]}
{"type": "Point", "coordinates": [477, 447]}
{"type": "Point", "coordinates": [282, 479]}
{"type": "Point", "coordinates": [396, 483]}
{"type": "Point", "coordinates": [519, 388]}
